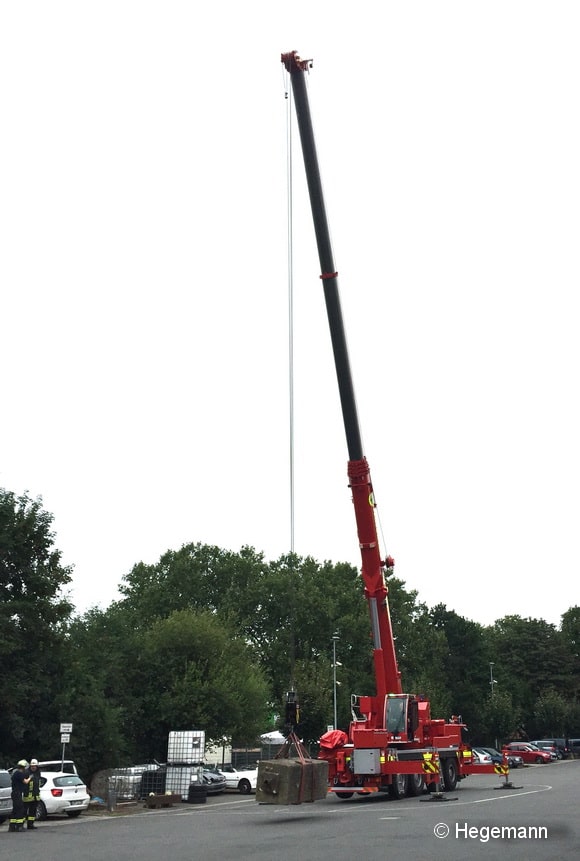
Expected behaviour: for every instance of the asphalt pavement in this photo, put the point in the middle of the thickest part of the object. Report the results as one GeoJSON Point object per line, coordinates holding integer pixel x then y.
{"type": "Point", "coordinates": [535, 820]}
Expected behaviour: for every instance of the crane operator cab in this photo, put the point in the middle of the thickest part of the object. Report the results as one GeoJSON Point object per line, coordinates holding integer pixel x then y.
{"type": "Point", "coordinates": [401, 716]}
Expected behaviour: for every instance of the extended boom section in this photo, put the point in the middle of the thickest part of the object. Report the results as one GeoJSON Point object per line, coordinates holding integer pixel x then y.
{"type": "Point", "coordinates": [387, 675]}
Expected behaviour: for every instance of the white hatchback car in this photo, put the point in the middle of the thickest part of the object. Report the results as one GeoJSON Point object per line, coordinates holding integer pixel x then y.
{"type": "Point", "coordinates": [61, 793]}
{"type": "Point", "coordinates": [244, 781]}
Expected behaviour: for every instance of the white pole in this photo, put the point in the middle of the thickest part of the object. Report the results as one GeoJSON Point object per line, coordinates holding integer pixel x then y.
{"type": "Point", "coordinates": [334, 639]}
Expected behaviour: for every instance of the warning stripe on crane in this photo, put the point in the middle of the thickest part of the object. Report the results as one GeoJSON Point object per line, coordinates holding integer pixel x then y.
{"type": "Point", "coordinates": [430, 764]}
{"type": "Point", "coordinates": [501, 769]}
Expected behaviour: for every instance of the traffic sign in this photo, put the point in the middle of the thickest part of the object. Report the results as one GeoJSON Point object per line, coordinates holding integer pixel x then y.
{"type": "Point", "coordinates": [66, 727]}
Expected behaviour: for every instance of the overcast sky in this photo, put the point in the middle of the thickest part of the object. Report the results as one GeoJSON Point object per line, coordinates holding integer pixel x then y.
{"type": "Point", "coordinates": [144, 286]}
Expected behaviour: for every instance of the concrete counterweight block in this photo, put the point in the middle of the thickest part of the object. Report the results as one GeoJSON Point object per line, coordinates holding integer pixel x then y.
{"type": "Point", "coordinates": [291, 781]}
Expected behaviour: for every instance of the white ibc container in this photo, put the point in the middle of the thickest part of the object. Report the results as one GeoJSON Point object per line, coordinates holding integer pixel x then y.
{"type": "Point", "coordinates": [178, 780]}
{"type": "Point", "coordinates": [186, 747]}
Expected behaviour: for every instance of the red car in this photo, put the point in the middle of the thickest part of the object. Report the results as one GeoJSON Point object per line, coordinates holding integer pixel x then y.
{"type": "Point", "coordinates": [528, 752]}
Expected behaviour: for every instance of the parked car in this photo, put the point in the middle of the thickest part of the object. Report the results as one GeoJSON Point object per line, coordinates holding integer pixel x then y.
{"type": "Point", "coordinates": [243, 780]}
{"type": "Point", "coordinates": [548, 749]}
{"type": "Point", "coordinates": [214, 781]}
{"type": "Point", "coordinates": [61, 793]}
{"type": "Point", "coordinates": [513, 760]}
{"type": "Point", "coordinates": [5, 795]}
{"type": "Point", "coordinates": [560, 746]}
{"type": "Point", "coordinates": [551, 748]}
{"type": "Point", "coordinates": [528, 752]}
{"type": "Point", "coordinates": [61, 765]}
{"type": "Point", "coordinates": [481, 756]}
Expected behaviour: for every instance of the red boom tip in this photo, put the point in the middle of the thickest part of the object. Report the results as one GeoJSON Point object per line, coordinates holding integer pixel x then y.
{"type": "Point", "coordinates": [294, 63]}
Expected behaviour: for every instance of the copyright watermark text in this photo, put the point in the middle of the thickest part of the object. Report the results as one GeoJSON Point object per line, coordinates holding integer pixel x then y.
{"type": "Point", "coordinates": [485, 833]}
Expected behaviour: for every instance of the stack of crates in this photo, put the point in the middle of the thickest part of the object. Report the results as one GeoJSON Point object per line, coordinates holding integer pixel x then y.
{"type": "Point", "coordinates": [185, 754]}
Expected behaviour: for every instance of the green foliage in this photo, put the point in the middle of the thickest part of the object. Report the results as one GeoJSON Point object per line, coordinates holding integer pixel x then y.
{"type": "Point", "coordinates": [465, 666]}
{"type": "Point", "coordinates": [500, 719]}
{"type": "Point", "coordinates": [289, 609]}
{"type": "Point", "coordinates": [550, 715]}
{"type": "Point", "coordinates": [196, 576]}
{"type": "Point", "coordinates": [573, 719]}
{"type": "Point", "coordinates": [570, 628]}
{"type": "Point", "coordinates": [191, 669]}
{"type": "Point", "coordinates": [213, 639]}
{"type": "Point", "coordinates": [314, 685]}
{"type": "Point", "coordinates": [33, 616]}
{"type": "Point", "coordinates": [99, 650]}
{"type": "Point", "coordinates": [205, 677]}
{"type": "Point", "coordinates": [531, 656]}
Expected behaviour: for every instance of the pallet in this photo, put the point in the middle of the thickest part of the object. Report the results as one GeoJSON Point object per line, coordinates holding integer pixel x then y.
{"type": "Point", "coordinates": [154, 802]}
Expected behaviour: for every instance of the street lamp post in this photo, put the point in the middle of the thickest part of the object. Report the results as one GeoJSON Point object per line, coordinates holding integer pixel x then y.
{"type": "Point", "coordinates": [492, 681]}
{"type": "Point", "coordinates": [335, 639]}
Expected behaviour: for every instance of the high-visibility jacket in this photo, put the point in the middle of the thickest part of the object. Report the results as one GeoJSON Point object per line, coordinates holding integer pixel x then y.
{"type": "Point", "coordinates": [32, 791]}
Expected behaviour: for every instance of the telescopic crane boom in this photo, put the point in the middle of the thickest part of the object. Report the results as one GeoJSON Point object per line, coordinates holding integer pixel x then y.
{"type": "Point", "coordinates": [387, 675]}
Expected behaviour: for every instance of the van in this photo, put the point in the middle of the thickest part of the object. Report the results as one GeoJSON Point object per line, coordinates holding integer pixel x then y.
{"type": "Point", "coordinates": [5, 795]}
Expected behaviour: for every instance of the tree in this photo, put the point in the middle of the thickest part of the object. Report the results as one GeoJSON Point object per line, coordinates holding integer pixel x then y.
{"type": "Point", "coordinates": [287, 609]}
{"type": "Point", "coordinates": [531, 656]}
{"type": "Point", "coordinates": [550, 715]}
{"type": "Point", "coordinates": [570, 629]}
{"type": "Point", "coordinates": [193, 671]}
{"type": "Point", "coordinates": [100, 646]}
{"type": "Point", "coordinates": [200, 576]}
{"type": "Point", "coordinates": [500, 719]}
{"type": "Point", "coordinates": [34, 612]}
{"type": "Point", "coordinates": [465, 666]}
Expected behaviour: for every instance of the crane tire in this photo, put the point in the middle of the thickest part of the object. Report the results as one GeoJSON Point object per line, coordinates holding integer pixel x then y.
{"type": "Point", "coordinates": [415, 784]}
{"type": "Point", "coordinates": [449, 769]}
{"type": "Point", "coordinates": [398, 788]}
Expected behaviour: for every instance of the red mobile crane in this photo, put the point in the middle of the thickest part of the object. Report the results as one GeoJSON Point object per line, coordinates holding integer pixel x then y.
{"type": "Point", "coordinates": [392, 742]}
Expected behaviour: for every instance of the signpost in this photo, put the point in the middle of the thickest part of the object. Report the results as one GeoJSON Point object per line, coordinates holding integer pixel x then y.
{"type": "Point", "coordinates": [65, 734]}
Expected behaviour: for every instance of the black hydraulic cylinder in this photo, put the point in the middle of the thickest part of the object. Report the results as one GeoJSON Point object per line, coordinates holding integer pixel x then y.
{"type": "Point", "coordinates": [297, 69]}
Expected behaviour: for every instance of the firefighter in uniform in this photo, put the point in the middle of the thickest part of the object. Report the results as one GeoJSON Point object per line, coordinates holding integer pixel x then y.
{"type": "Point", "coordinates": [20, 782]}
{"type": "Point", "coordinates": [31, 795]}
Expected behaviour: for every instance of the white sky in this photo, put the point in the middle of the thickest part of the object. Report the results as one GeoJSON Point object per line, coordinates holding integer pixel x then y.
{"type": "Point", "coordinates": [144, 288]}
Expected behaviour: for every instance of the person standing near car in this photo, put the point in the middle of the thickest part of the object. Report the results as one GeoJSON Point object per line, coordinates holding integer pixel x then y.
{"type": "Point", "coordinates": [20, 781]}
{"type": "Point", "coordinates": [31, 795]}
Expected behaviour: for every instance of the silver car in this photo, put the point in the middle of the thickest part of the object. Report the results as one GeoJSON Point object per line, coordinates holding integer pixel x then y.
{"type": "Point", "coordinates": [5, 795]}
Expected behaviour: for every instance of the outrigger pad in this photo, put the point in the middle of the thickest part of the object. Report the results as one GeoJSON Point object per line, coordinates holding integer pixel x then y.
{"type": "Point", "coordinates": [291, 781]}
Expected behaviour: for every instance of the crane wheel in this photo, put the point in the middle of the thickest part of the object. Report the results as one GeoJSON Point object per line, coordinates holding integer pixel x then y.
{"type": "Point", "coordinates": [449, 769]}
{"type": "Point", "coordinates": [398, 788]}
{"type": "Point", "coordinates": [415, 784]}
